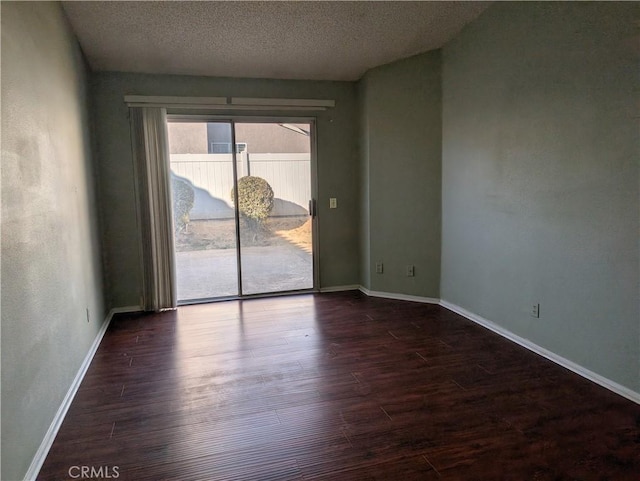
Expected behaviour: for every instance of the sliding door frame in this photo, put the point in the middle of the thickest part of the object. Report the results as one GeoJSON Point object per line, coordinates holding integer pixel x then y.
{"type": "Point", "coordinates": [232, 120]}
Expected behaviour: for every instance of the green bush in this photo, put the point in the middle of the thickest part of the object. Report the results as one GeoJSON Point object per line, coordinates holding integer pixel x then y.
{"type": "Point", "coordinates": [183, 197]}
{"type": "Point", "coordinates": [255, 199]}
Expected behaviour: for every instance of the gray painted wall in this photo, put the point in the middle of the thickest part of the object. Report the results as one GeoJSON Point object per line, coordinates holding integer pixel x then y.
{"type": "Point", "coordinates": [540, 178]}
{"type": "Point", "coordinates": [51, 265]}
{"type": "Point", "coordinates": [400, 110]}
{"type": "Point", "coordinates": [337, 168]}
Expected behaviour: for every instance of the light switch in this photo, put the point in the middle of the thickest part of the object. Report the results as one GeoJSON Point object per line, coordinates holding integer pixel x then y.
{"type": "Point", "coordinates": [333, 203]}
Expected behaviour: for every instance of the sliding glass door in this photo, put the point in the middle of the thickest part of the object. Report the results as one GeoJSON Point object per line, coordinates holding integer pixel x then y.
{"type": "Point", "coordinates": [203, 213]}
{"type": "Point", "coordinates": [275, 226]}
{"type": "Point", "coordinates": [241, 194]}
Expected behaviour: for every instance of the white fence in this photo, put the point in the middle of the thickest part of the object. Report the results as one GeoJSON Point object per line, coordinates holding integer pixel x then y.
{"type": "Point", "coordinates": [211, 176]}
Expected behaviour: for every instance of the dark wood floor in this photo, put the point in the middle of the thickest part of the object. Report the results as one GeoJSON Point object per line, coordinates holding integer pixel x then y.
{"type": "Point", "coordinates": [335, 386]}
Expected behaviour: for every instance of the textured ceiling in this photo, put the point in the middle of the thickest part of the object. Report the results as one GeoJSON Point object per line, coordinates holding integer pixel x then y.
{"type": "Point", "coordinates": [286, 40]}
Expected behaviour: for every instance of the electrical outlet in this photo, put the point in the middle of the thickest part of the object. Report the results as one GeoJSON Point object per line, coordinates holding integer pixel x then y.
{"type": "Point", "coordinates": [379, 268]}
{"type": "Point", "coordinates": [535, 310]}
{"type": "Point", "coordinates": [411, 271]}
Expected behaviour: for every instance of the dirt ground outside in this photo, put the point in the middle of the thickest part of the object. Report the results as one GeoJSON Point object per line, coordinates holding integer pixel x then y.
{"type": "Point", "coordinates": [220, 234]}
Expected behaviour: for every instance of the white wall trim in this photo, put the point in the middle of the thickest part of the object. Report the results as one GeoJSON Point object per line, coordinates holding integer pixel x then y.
{"type": "Point", "coordinates": [400, 297]}
{"type": "Point", "coordinates": [122, 310]}
{"type": "Point", "coordinates": [566, 363]}
{"type": "Point", "coordinates": [531, 346]}
{"type": "Point", "coordinates": [49, 437]}
{"type": "Point", "coordinates": [352, 287]}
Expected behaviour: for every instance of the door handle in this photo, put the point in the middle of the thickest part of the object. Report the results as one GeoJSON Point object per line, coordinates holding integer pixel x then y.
{"type": "Point", "coordinates": [312, 208]}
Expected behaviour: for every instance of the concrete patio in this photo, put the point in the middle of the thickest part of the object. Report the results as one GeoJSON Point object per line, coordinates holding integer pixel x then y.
{"type": "Point", "coordinates": [212, 273]}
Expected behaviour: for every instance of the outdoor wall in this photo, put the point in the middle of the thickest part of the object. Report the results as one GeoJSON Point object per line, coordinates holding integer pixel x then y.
{"type": "Point", "coordinates": [187, 138]}
{"type": "Point", "coordinates": [272, 141]}
{"type": "Point", "coordinates": [191, 138]}
{"type": "Point", "coordinates": [540, 178]}
{"type": "Point", "coordinates": [400, 167]}
{"type": "Point", "coordinates": [337, 168]}
{"type": "Point", "coordinates": [51, 265]}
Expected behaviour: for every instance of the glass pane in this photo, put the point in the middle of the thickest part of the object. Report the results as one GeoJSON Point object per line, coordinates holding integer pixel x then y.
{"type": "Point", "coordinates": [205, 232]}
{"type": "Point", "coordinates": [274, 182]}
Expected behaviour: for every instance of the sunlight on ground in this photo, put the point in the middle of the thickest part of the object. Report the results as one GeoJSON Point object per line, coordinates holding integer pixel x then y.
{"type": "Point", "coordinates": [221, 234]}
{"type": "Point", "coordinates": [300, 237]}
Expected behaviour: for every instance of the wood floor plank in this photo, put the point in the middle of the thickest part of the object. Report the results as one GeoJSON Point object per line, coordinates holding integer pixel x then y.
{"type": "Point", "coordinates": [335, 386]}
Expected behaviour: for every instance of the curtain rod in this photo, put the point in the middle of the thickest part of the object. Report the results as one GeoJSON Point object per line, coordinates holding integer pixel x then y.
{"type": "Point", "coordinates": [228, 103]}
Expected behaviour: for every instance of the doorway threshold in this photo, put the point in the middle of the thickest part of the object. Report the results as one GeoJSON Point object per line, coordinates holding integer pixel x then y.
{"type": "Point", "coordinates": [264, 295]}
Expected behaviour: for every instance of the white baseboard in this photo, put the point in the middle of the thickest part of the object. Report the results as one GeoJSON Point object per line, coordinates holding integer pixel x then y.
{"type": "Point", "coordinates": [566, 363]}
{"type": "Point", "coordinates": [399, 297]}
{"type": "Point", "coordinates": [556, 358]}
{"type": "Point", "coordinates": [49, 437]}
{"type": "Point", "coordinates": [352, 287]}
